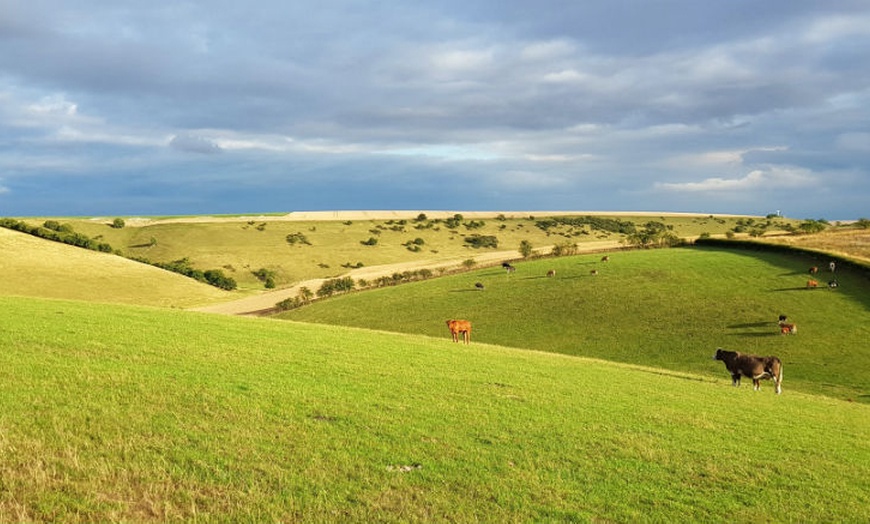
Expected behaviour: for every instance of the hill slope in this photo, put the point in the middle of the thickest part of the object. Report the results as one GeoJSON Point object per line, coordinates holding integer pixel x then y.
{"type": "Point", "coordinates": [115, 413]}
{"type": "Point", "coordinates": [664, 308]}
{"type": "Point", "coordinates": [41, 268]}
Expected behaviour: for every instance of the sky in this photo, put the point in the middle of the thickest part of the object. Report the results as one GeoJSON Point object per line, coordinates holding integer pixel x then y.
{"type": "Point", "coordinates": [212, 107]}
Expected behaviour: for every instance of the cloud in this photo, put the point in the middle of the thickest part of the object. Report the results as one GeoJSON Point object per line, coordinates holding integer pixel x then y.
{"type": "Point", "coordinates": [194, 144]}
{"type": "Point", "coordinates": [708, 99]}
{"type": "Point", "coordinates": [768, 178]}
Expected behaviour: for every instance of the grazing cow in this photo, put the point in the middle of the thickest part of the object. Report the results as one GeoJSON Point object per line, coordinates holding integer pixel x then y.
{"type": "Point", "coordinates": [787, 329]}
{"type": "Point", "coordinates": [814, 270]}
{"type": "Point", "coordinates": [479, 285]}
{"type": "Point", "coordinates": [751, 366]}
{"type": "Point", "coordinates": [833, 283]}
{"type": "Point", "coordinates": [551, 273]}
{"type": "Point", "coordinates": [605, 258]}
{"type": "Point", "coordinates": [812, 283]}
{"type": "Point", "coordinates": [593, 272]}
{"type": "Point", "coordinates": [460, 326]}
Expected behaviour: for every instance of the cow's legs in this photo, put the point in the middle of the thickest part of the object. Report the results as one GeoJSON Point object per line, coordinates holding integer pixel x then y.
{"type": "Point", "coordinates": [735, 380]}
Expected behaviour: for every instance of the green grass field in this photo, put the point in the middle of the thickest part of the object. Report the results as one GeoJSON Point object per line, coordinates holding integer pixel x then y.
{"type": "Point", "coordinates": [662, 308]}
{"type": "Point", "coordinates": [581, 397]}
{"type": "Point", "coordinates": [119, 413]}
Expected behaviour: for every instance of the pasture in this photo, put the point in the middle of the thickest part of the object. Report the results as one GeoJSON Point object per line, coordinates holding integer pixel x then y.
{"type": "Point", "coordinates": [119, 413]}
{"type": "Point", "coordinates": [328, 248]}
{"type": "Point", "coordinates": [666, 309]}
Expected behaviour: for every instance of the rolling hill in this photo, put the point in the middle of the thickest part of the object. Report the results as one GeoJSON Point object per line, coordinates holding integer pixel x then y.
{"type": "Point", "coordinates": [41, 268]}
{"type": "Point", "coordinates": [121, 413]}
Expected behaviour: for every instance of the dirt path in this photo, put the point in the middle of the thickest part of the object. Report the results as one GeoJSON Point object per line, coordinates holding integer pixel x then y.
{"type": "Point", "coordinates": [266, 301]}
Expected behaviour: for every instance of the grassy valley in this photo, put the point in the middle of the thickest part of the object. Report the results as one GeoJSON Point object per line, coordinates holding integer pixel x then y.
{"type": "Point", "coordinates": [582, 397]}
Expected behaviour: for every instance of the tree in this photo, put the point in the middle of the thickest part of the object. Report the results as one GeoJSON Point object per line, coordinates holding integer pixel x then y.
{"type": "Point", "coordinates": [526, 249]}
{"type": "Point", "coordinates": [653, 233]}
{"type": "Point", "coordinates": [118, 223]}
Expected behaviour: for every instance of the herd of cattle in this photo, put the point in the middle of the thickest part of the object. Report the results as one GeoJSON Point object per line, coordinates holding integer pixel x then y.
{"type": "Point", "coordinates": [738, 364]}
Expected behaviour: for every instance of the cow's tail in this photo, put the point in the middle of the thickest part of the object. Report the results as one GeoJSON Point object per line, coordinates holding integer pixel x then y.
{"type": "Point", "coordinates": [776, 371]}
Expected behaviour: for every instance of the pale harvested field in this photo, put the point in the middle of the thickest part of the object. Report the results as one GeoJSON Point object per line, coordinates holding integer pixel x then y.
{"type": "Point", "coordinates": [850, 243]}
{"type": "Point", "coordinates": [38, 268]}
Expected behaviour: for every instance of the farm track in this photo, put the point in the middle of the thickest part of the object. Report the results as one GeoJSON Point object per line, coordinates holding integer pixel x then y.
{"type": "Point", "coordinates": [265, 302]}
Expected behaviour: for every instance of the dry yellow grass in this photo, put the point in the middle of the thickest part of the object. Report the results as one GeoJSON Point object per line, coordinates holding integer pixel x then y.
{"type": "Point", "coordinates": [850, 243]}
{"type": "Point", "coordinates": [39, 268]}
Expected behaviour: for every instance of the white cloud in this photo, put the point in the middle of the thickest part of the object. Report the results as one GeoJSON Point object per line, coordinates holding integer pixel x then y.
{"type": "Point", "coordinates": [772, 177]}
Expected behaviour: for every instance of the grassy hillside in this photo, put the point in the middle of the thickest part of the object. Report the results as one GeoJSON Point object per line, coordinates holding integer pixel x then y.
{"type": "Point", "coordinates": [115, 413]}
{"type": "Point", "coordinates": [40, 268]}
{"type": "Point", "coordinates": [242, 246]}
{"type": "Point", "coordinates": [663, 308]}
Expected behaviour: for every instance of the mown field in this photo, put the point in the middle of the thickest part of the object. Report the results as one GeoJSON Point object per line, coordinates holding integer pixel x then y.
{"type": "Point", "coordinates": [328, 248]}
{"type": "Point", "coordinates": [120, 413]}
{"type": "Point", "coordinates": [667, 308]}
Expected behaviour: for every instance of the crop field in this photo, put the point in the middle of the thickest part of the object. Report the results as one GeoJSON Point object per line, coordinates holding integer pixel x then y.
{"type": "Point", "coordinates": [121, 413]}
{"type": "Point", "coordinates": [666, 308]}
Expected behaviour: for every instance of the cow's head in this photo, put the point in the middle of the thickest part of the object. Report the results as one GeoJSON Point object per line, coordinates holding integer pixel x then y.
{"type": "Point", "coordinates": [720, 354]}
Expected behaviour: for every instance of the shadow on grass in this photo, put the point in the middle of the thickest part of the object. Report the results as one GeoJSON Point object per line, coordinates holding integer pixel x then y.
{"type": "Point", "coordinates": [751, 325]}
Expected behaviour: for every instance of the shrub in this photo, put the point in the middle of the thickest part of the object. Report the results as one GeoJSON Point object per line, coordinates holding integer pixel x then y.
{"type": "Point", "coordinates": [478, 241]}
{"type": "Point", "coordinates": [564, 249]}
{"type": "Point", "coordinates": [297, 238]}
{"type": "Point", "coordinates": [372, 241]}
{"type": "Point", "coordinates": [217, 278]}
{"type": "Point", "coordinates": [267, 276]}
{"type": "Point", "coordinates": [118, 223]}
{"type": "Point", "coordinates": [526, 249]}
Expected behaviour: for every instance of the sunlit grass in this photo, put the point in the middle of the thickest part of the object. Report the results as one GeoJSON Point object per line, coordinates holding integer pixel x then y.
{"type": "Point", "coordinates": [663, 308]}
{"type": "Point", "coordinates": [118, 413]}
{"type": "Point", "coordinates": [246, 245]}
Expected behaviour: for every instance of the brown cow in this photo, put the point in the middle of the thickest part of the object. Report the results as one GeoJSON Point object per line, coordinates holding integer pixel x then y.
{"type": "Point", "coordinates": [812, 283]}
{"type": "Point", "coordinates": [787, 329]}
{"type": "Point", "coordinates": [814, 270]}
{"type": "Point", "coordinates": [605, 258]}
{"type": "Point", "coordinates": [551, 273]}
{"type": "Point", "coordinates": [751, 366]}
{"type": "Point", "coordinates": [593, 272]}
{"type": "Point", "coordinates": [460, 326]}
